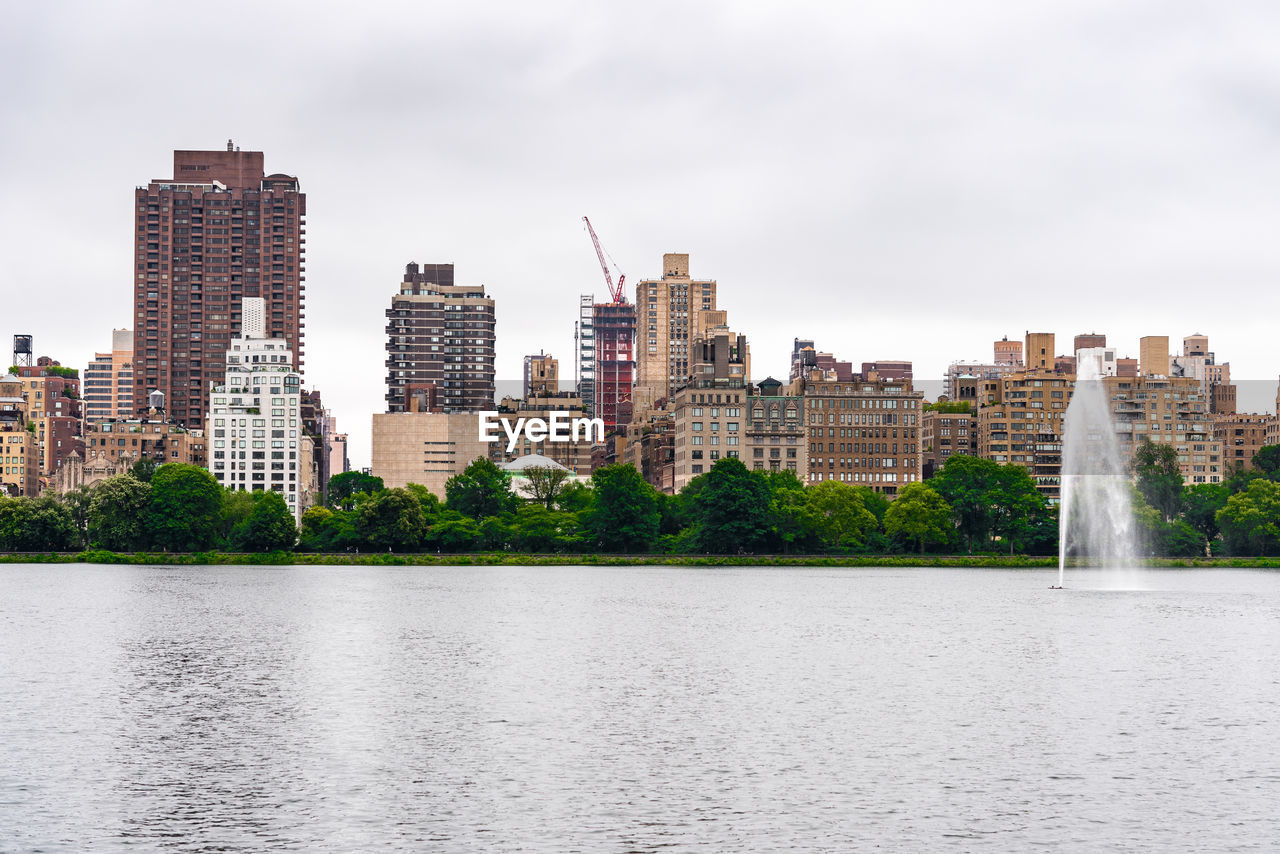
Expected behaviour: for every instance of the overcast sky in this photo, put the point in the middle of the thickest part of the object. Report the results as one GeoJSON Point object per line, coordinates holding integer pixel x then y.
{"type": "Point", "coordinates": [899, 179]}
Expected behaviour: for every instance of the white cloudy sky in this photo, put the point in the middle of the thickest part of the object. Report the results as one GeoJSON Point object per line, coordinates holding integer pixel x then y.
{"type": "Point", "coordinates": [894, 179]}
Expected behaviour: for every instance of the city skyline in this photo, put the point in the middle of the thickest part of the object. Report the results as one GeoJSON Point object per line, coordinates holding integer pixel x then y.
{"type": "Point", "coordinates": [889, 174]}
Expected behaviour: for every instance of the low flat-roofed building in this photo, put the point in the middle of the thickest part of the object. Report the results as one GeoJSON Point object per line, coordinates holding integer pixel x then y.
{"type": "Point", "coordinates": [426, 448]}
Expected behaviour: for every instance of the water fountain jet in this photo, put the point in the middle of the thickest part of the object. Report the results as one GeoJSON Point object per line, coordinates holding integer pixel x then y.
{"type": "Point", "coordinates": [1095, 519]}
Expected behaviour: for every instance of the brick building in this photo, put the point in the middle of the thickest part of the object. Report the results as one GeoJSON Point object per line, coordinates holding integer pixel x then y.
{"type": "Point", "coordinates": [943, 433]}
{"type": "Point", "coordinates": [219, 230]}
{"type": "Point", "coordinates": [440, 334]}
{"type": "Point", "coordinates": [863, 432]}
{"type": "Point", "coordinates": [1242, 435]}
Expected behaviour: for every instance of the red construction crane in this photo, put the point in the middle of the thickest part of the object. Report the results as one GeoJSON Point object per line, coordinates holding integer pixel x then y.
{"type": "Point", "coordinates": [619, 298]}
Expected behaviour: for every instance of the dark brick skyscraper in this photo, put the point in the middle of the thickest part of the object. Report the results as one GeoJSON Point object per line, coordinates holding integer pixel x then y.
{"type": "Point", "coordinates": [219, 230]}
{"type": "Point", "coordinates": [440, 343]}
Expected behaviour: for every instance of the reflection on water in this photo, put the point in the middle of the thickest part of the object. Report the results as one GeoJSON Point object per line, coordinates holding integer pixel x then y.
{"type": "Point", "coordinates": [635, 709]}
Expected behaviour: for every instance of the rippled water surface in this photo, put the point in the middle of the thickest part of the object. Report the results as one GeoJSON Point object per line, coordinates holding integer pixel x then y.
{"type": "Point", "coordinates": [636, 709]}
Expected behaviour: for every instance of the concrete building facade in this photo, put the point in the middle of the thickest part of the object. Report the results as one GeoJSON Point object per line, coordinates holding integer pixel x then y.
{"type": "Point", "coordinates": [426, 448]}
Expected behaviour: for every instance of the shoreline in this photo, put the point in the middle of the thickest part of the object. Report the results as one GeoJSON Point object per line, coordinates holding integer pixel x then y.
{"type": "Point", "coordinates": [510, 559]}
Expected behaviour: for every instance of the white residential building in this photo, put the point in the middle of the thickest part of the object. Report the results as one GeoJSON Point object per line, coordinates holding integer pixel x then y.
{"type": "Point", "coordinates": [253, 425]}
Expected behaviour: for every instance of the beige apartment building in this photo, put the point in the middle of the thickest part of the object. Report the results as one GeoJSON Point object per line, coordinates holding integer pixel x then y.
{"type": "Point", "coordinates": [708, 411]}
{"type": "Point", "coordinates": [650, 447]}
{"type": "Point", "coordinates": [943, 434]}
{"type": "Point", "coordinates": [426, 448]}
{"type": "Point", "coordinates": [671, 313]}
{"type": "Point", "coordinates": [1168, 410]}
{"type": "Point", "coordinates": [19, 451]}
{"type": "Point", "coordinates": [1039, 352]}
{"type": "Point", "coordinates": [863, 432]}
{"type": "Point", "coordinates": [1153, 355]}
{"type": "Point", "coordinates": [1242, 435]}
{"type": "Point", "coordinates": [1023, 424]}
{"type": "Point", "coordinates": [107, 388]}
{"type": "Point", "coordinates": [52, 406]}
{"type": "Point", "coordinates": [776, 433]}
{"type": "Point", "coordinates": [134, 439]}
{"type": "Point", "coordinates": [541, 375]}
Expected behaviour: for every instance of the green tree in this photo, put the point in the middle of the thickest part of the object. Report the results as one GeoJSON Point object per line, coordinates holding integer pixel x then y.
{"type": "Point", "coordinates": [481, 490]}
{"type": "Point", "coordinates": [453, 532]}
{"type": "Point", "coordinates": [1200, 506]}
{"type": "Point", "coordinates": [392, 520]}
{"type": "Point", "coordinates": [343, 488]}
{"type": "Point", "coordinates": [1251, 520]}
{"type": "Point", "coordinates": [325, 530]}
{"type": "Point", "coordinates": [1159, 476]}
{"type": "Point", "coordinates": [546, 484]}
{"type": "Point", "coordinates": [625, 517]}
{"type": "Point", "coordinates": [144, 468]}
{"type": "Point", "coordinates": [1240, 478]}
{"type": "Point", "coordinates": [919, 513]}
{"type": "Point", "coordinates": [36, 525]}
{"type": "Point", "coordinates": [966, 483]}
{"type": "Point", "coordinates": [78, 501]}
{"type": "Point", "coordinates": [576, 497]}
{"type": "Point", "coordinates": [269, 527]}
{"type": "Point", "coordinates": [236, 507]}
{"type": "Point", "coordinates": [183, 513]}
{"type": "Point", "coordinates": [493, 535]}
{"type": "Point", "coordinates": [537, 529]}
{"type": "Point", "coordinates": [1180, 539]}
{"type": "Point", "coordinates": [732, 510]}
{"type": "Point", "coordinates": [1016, 506]}
{"type": "Point", "coordinates": [843, 520]}
{"type": "Point", "coordinates": [795, 523]}
{"type": "Point", "coordinates": [1267, 461]}
{"type": "Point", "coordinates": [429, 501]}
{"type": "Point", "coordinates": [117, 513]}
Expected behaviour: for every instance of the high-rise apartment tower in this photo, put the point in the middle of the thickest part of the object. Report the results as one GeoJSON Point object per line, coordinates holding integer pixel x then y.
{"type": "Point", "coordinates": [670, 314]}
{"type": "Point", "coordinates": [440, 340]}
{"type": "Point", "coordinates": [218, 231]}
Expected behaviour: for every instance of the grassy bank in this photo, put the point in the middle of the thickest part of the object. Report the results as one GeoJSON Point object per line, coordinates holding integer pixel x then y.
{"type": "Point", "coordinates": [512, 559]}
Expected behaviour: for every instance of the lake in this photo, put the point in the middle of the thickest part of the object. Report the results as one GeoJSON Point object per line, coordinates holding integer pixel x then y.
{"type": "Point", "coordinates": [636, 709]}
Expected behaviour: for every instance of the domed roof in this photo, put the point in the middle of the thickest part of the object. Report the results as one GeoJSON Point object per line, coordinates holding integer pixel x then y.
{"type": "Point", "coordinates": [531, 461]}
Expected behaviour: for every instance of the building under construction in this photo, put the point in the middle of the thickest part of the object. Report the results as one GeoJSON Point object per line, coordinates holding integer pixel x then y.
{"type": "Point", "coordinates": [615, 363]}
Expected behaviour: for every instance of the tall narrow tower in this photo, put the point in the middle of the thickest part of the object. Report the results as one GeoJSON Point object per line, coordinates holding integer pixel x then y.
{"type": "Point", "coordinates": [671, 312]}
{"type": "Point", "coordinates": [216, 232]}
{"type": "Point", "coordinates": [440, 341]}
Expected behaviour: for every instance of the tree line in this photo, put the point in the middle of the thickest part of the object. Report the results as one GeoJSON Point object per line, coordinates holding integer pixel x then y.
{"type": "Point", "coordinates": [970, 505]}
